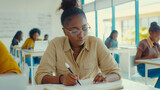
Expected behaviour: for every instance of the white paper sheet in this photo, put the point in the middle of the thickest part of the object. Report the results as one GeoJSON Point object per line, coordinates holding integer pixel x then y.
{"type": "Point", "coordinates": [88, 85]}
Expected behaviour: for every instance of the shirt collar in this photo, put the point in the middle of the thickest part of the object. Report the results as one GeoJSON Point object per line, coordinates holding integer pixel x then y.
{"type": "Point", "coordinates": [150, 42]}
{"type": "Point", "coordinates": [67, 46]}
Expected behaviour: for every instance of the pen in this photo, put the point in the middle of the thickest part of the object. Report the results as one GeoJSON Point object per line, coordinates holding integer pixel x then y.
{"type": "Point", "coordinates": [71, 71]}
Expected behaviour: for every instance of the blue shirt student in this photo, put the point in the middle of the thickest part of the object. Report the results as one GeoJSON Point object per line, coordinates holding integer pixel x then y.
{"type": "Point", "coordinates": [114, 44]}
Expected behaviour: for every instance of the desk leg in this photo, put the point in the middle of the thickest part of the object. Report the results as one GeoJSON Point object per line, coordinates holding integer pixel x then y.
{"type": "Point", "coordinates": [32, 70]}
{"type": "Point", "coordinates": [20, 64]}
{"type": "Point", "coordinates": [112, 54]}
{"type": "Point", "coordinates": [23, 62]}
{"type": "Point", "coordinates": [13, 52]}
{"type": "Point", "coordinates": [146, 73]}
{"type": "Point", "coordinates": [129, 65]}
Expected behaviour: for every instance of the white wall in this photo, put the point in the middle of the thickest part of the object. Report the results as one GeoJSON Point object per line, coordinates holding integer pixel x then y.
{"type": "Point", "coordinates": [26, 14]}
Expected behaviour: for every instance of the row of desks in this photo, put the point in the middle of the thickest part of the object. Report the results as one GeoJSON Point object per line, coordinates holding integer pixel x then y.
{"type": "Point", "coordinates": [32, 54]}
{"type": "Point", "coordinates": [150, 64]}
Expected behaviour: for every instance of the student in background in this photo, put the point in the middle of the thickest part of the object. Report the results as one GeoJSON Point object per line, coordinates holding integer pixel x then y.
{"type": "Point", "coordinates": [85, 54]}
{"type": "Point", "coordinates": [16, 40]}
{"type": "Point", "coordinates": [148, 49]}
{"type": "Point", "coordinates": [34, 34]}
{"type": "Point", "coordinates": [112, 43]}
{"type": "Point", "coordinates": [46, 37]}
{"type": "Point", "coordinates": [29, 44]}
{"type": "Point", "coordinates": [7, 64]}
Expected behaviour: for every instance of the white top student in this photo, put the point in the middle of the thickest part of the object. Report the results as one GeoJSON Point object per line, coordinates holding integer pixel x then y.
{"type": "Point", "coordinates": [84, 54]}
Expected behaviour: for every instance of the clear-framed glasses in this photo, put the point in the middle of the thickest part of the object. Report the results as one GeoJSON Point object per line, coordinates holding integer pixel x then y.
{"type": "Point", "coordinates": [76, 31]}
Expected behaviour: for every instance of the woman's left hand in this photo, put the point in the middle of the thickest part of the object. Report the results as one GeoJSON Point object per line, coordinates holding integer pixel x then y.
{"type": "Point", "coordinates": [99, 78]}
{"type": "Point", "coordinates": [106, 78]}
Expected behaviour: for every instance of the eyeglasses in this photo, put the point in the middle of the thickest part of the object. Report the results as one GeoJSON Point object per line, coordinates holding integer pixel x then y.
{"type": "Point", "coordinates": [75, 31]}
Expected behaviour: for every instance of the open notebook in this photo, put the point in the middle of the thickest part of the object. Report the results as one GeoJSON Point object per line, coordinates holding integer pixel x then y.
{"type": "Point", "coordinates": [88, 85]}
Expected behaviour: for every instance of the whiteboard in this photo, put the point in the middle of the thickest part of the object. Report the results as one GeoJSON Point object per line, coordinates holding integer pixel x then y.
{"type": "Point", "coordinates": [11, 22]}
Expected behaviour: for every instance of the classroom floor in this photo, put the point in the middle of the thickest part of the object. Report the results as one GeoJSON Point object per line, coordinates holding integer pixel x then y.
{"type": "Point", "coordinates": [137, 78]}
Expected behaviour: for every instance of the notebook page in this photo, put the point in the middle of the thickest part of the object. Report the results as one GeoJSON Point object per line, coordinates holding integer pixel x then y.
{"type": "Point", "coordinates": [88, 85]}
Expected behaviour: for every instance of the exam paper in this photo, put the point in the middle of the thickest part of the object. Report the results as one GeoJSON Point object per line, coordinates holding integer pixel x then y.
{"type": "Point", "coordinates": [88, 85]}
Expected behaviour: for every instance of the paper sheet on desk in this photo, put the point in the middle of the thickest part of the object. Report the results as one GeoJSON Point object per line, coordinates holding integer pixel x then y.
{"type": "Point", "coordinates": [88, 85]}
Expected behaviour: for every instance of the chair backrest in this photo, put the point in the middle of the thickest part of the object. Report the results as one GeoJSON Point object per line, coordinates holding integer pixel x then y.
{"type": "Point", "coordinates": [132, 61]}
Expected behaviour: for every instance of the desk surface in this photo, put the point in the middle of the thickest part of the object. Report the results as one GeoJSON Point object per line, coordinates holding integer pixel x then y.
{"type": "Point", "coordinates": [16, 47]}
{"type": "Point", "coordinates": [127, 84]}
{"type": "Point", "coordinates": [123, 49]}
{"type": "Point", "coordinates": [155, 61]}
{"type": "Point", "coordinates": [32, 51]}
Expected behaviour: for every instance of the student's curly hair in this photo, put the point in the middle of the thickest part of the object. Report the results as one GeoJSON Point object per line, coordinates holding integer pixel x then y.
{"type": "Point", "coordinates": [33, 31]}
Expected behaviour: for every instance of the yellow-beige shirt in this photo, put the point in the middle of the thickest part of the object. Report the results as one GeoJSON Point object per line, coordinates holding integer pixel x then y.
{"type": "Point", "coordinates": [7, 63]}
{"type": "Point", "coordinates": [93, 56]}
{"type": "Point", "coordinates": [29, 43]}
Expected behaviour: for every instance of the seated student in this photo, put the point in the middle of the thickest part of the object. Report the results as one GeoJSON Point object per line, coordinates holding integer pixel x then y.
{"type": "Point", "coordinates": [7, 64]}
{"type": "Point", "coordinates": [84, 54]}
{"type": "Point", "coordinates": [112, 43]}
{"type": "Point", "coordinates": [46, 37]}
{"type": "Point", "coordinates": [16, 40]}
{"type": "Point", "coordinates": [29, 44]}
{"type": "Point", "coordinates": [147, 49]}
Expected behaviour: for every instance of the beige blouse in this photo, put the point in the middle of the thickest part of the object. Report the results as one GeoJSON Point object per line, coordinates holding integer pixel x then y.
{"type": "Point", "coordinates": [93, 56]}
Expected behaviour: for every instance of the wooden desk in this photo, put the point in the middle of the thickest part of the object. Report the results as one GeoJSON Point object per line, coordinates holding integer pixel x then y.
{"type": "Point", "coordinates": [149, 64]}
{"type": "Point", "coordinates": [32, 54]}
{"type": "Point", "coordinates": [155, 61]}
{"type": "Point", "coordinates": [16, 46]}
{"type": "Point", "coordinates": [127, 84]}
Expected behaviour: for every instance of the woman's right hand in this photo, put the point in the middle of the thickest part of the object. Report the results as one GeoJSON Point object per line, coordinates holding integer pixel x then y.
{"type": "Point", "coordinates": [30, 47]}
{"type": "Point", "coordinates": [69, 79]}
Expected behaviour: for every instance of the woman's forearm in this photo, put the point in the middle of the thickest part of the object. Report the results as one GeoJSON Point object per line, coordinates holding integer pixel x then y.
{"type": "Point", "coordinates": [112, 77]}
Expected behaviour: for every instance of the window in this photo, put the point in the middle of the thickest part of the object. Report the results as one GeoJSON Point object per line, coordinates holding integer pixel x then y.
{"type": "Point", "coordinates": [88, 1]}
{"type": "Point", "coordinates": [104, 23]}
{"type": "Point", "coordinates": [125, 23]}
{"type": "Point", "coordinates": [148, 13]}
{"type": "Point", "coordinates": [91, 21]}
